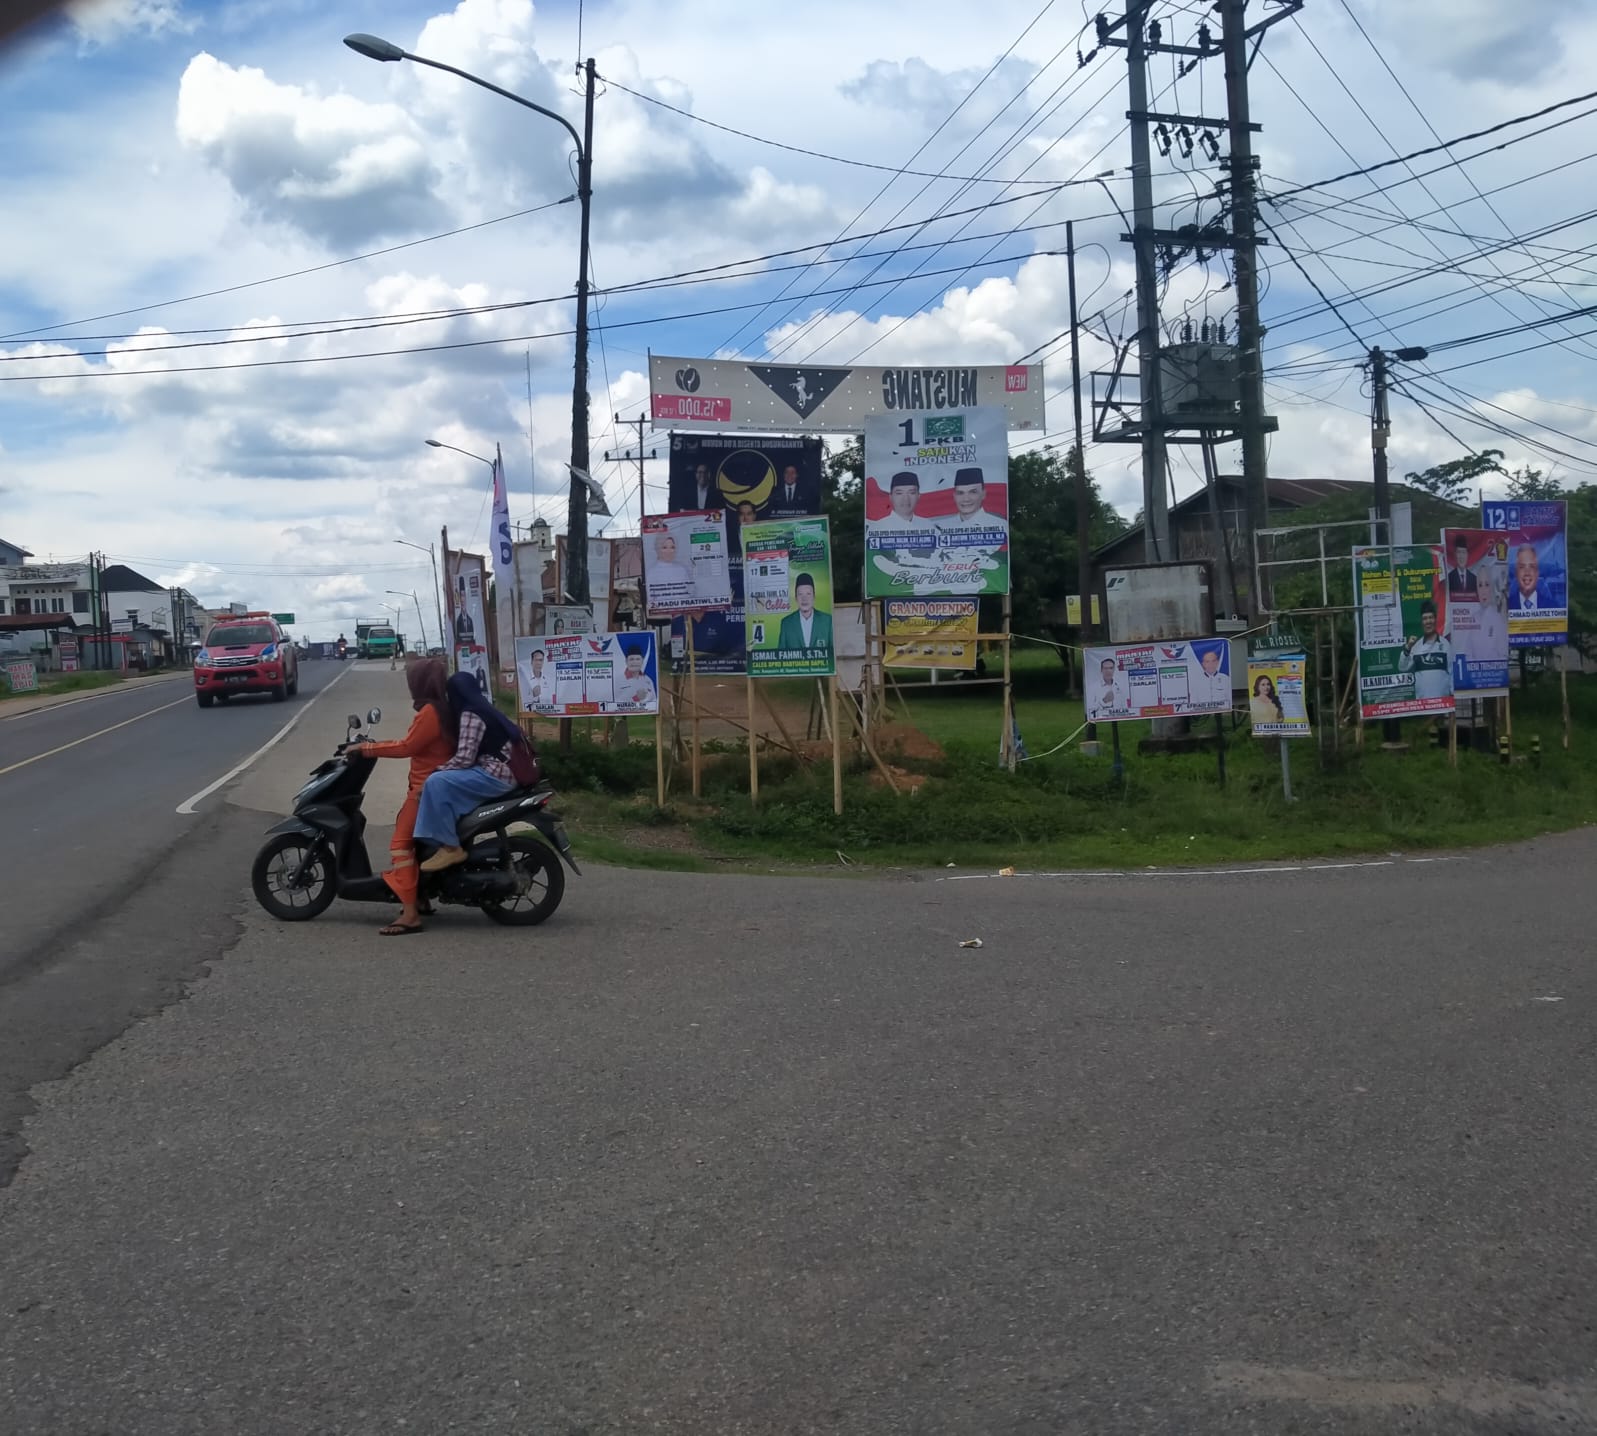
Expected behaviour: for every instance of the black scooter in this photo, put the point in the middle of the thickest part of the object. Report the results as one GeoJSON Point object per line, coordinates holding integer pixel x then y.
{"type": "Point", "coordinates": [320, 853]}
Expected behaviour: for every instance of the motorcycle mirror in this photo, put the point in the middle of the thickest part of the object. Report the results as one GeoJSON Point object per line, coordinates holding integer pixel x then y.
{"type": "Point", "coordinates": [375, 717]}
{"type": "Point", "coordinates": [353, 722]}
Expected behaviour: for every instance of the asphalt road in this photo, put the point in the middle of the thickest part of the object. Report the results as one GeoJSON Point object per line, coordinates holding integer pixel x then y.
{"type": "Point", "coordinates": [112, 898]}
{"type": "Point", "coordinates": [1304, 1150]}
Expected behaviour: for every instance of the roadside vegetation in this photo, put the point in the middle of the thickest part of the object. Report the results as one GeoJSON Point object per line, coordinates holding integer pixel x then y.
{"type": "Point", "coordinates": [59, 683]}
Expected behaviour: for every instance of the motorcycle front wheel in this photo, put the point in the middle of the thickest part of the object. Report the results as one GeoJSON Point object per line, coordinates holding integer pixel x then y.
{"type": "Point", "coordinates": [537, 862]}
{"type": "Point", "coordinates": [293, 878]}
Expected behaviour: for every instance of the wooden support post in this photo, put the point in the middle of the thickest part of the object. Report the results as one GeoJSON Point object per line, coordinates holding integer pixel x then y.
{"type": "Point", "coordinates": [1563, 689]}
{"type": "Point", "coordinates": [837, 754]}
{"type": "Point", "coordinates": [1006, 747]}
{"type": "Point", "coordinates": [754, 744]}
{"type": "Point", "coordinates": [693, 700]}
{"type": "Point", "coordinates": [659, 757]}
{"type": "Point", "coordinates": [1452, 737]}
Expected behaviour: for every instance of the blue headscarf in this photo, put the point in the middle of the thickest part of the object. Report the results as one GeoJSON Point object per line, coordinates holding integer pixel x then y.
{"type": "Point", "coordinates": [466, 696]}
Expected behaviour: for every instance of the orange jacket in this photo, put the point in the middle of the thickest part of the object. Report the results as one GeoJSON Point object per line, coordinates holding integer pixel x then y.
{"type": "Point", "coordinates": [426, 745]}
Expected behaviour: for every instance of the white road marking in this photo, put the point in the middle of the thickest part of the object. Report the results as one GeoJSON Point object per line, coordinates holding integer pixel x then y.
{"type": "Point", "coordinates": [110, 690]}
{"type": "Point", "coordinates": [188, 805]}
{"type": "Point", "coordinates": [99, 733]}
{"type": "Point", "coordinates": [1195, 872]}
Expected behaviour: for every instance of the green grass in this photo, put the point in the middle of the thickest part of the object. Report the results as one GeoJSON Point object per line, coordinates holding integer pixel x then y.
{"type": "Point", "coordinates": [1069, 810]}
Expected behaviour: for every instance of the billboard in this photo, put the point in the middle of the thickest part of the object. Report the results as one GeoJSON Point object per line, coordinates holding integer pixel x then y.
{"type": "Point", "coordinates": [751, 476]}
{"type": "Point", "coordinates": [830, 399]}
{"type": "Point", "coordinates": [685, 561]}
{"type": "Point", "coordinates": [1471, 594]}
{"type": "Point", "coordinates": [937, 504]}
{"type": "Point", "coordinates": [1276, 704]}
{"type": "Point", "coordinates": [1181, 679]}
{"type": "Point", "coordinates": [563, 618]}
{"type": "Point", "coordinates": [787, 591]}
{"type": "Point", "coordinates": [718, 635]}
{"type": "Point", "coordinates": [585, 675]}
{"type": "Point", "coordinates": [1405, 661]}
{"type": "Point", "coordinates": [1538, 561]}
{"type": "Point", "coordinates": [468, 582]}
{"type": "Point", "coordinates": [929, 633]}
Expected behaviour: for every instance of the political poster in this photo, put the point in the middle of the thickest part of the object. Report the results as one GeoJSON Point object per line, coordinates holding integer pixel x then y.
{"type": "Point", "coordinates": [1405, 661]}
{"type": "Point", "coordinates": [718, 635]}
{"type": "Point", "coordinates": [751, 476]}
{"type": "Point", "coordinates": [468, 583]}
{"type": "Point", "coordinates": [832, 399]}
{"type": "Point", "coordinates": [685, 562]}
{"type": "Point", "coordinates": [1181, 679]}
{"type": "Point", "coordinates": [929, 633]}
{"type": "Point", "coordinates": [586, 675]}
{"type": "Point", "coordinates": [1276, 701]}
{"type": "Point", "coordinates": [1538, 566]}
{"type": "Point", "coordinates": [563, 618]}
{"type": "Point", "coordinates": [1471, 594]}
{"type": "Point", "coordinates": [937, 504]}
{"type": "Point", "coordinates": [787, 595]}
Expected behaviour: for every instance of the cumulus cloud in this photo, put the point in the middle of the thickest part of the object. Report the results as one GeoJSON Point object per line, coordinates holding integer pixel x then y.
{"type": "Point", "coordinates": [99, 22]}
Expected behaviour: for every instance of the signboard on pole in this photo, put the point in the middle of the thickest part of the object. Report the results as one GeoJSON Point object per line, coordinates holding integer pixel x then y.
{"type": "Point", "coordinates": [1538, 562]}
{"type": "Point", "coordinates": [588, 675]}
{"type": "Point", "coordinates": [718, 634]}
{"type": "Point", "coordinates": [286, 619]}
{"type": "Point", "coordinates": [563, 618]}
{"type": "Point", "coordinates": [1471, 595]}
{"type": "Point", "coordinates": [787, 590]}
{"type": "Point", "coordinates": [752, 476]}
{"type": "Point", "coordinates": [1180, 679]}
{"type": "Point", "coordinates": [937, 504]}
{"type": "Point", "coordinates": [467, 584]}
{"type": "Point", "coordinates": [1405, 661]}
{"type": "Point", "coordinates": [1276, 705]}
{"type": "Point", "coordinates": [685, 562]}
{"type": "Point", "coordinates": [831, 399]}
{"type": "Point", "coordinates": [21, 675]}
{"type": "Point", "coordinates": [930, 633]}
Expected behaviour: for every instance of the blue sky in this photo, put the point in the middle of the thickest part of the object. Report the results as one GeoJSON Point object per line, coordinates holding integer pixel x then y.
{"type": "Point", "coordinates": [167, 148]}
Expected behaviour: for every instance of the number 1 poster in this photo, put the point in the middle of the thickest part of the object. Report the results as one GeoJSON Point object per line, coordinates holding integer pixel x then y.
{"type": "Point", "coordinates": [937, 504]}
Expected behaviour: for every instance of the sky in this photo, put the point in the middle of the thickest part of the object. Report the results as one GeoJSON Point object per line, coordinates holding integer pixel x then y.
{"type": "Point", "coordinates": [355, 257]}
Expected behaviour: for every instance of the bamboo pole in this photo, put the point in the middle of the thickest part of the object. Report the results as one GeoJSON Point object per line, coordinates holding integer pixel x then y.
{"type": "Point", "coordinates": [754, 744]}
{"type": "Point", "coordinates": [693, 698]}
{"type": "Point", "coordinates": [837, 754]}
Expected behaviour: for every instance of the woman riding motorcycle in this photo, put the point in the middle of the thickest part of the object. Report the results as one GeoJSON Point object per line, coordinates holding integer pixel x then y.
{"type": "Point", "coordinates": [478, 773]}
{"type": "Point", "coordinates": [429, 744]}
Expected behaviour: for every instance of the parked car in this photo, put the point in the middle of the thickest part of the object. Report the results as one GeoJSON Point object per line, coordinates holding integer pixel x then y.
{"type": "Point", "coordinates": [249, 653]}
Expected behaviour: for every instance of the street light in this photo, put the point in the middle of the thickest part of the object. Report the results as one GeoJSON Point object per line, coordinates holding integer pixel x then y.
{"type": "Point", "coordinates": [421, 623]}
{"type": "Point", "coordinates": [437, 590]}
{"type": "Point", "coordinates": [439, 444]}
{"type": "Point", "coordinates": [386, 51]}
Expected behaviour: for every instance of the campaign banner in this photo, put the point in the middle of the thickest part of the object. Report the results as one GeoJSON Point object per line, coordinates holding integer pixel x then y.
{"type": "Point", "coordinates": [1471, 595]}
{"type": "Point", "coordinates": [1276, 703]}
{"type": "Point", "coordinates": [1538, 563]}
{"type": "Point", "coordinates": [586, 675]}
{"type": "Point", "coordinates": [832, 399]}
{"type": "Point", "coordinates": [937, 504]}
{"type": "Point", "coordinates": [468, 583]}
{"type": "Point", "coordinates": [719, 635]}
{"type": "Point", "coordinates": [787, 593]}
{"type": "Point", "coordinates": [1405, 660]}
{"type": "Point", "coordinates": [685, 562]}
{"type": "Point", "coordinates": [1181, 679]}
{"type": "Point", "coordinates": [563, 618]}
{"type": "Point", "coordinates": [504, 559]}
{"type": "Point", "coordinates": [750, 476]}
{"type": "Point", "coordinates": [929, 633]}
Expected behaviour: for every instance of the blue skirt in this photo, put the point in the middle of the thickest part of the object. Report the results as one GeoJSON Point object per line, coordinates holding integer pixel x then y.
{"type": "Point", "coordinates": [447, 796]}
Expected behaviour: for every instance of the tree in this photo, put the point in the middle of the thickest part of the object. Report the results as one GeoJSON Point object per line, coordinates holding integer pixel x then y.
{"type": "Point", "coordinates": [1530, 485]}
{"type": "Point", "coordinates": [1454, 480]}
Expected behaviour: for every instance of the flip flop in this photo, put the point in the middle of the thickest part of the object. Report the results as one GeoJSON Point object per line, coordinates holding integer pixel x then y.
{"type": "Point", "coordinates": [399, 929]}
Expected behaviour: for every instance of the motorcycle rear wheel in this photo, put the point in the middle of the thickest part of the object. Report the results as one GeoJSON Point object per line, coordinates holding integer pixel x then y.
{"type": "Point", "coordinates": [541, 864]}
{"type": "Point", "coordinates": [274, 867]}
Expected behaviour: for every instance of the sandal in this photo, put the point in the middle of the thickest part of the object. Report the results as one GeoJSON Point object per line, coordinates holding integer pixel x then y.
{"type": "Point", "coordinates": [399, 929]}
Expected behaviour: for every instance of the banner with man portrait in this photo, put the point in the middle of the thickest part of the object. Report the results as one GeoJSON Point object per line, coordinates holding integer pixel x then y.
{"type": "Point", "coordinates": [468, 585]}
{"type": "Point", "coordinates": [751, 476]}
{"type": "Point", "coordinates": [1538, 563]}
{"type": "Point", "coordinates": [719, 635]}
{"type": "Point", "coordinates": [585, 675]}
{"type": "Point", "coordinates": [787, 597]}
{"type": "Point", "coordinates": [1179, 679]}
{"type": "Point", "coordinates": [1405, 660]}
{"type": "Point", "coordinates": [1471, 594]}
{"type": "Point", "coordinates": [937, 504]}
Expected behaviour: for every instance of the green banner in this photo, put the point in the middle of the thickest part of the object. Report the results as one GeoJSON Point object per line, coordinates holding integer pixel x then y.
{"type": "Point", "coordinates": [787, 596]}
{"type": "Point", "coordinates": [1405, 656]}
{"type": "Point", "coordinates": [284, 618]}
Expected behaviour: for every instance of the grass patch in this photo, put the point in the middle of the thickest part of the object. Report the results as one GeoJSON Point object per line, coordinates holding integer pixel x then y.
{"type": "Point", "coordinates": [1068, 810]}
{"type": "Point", "coordinates": [58, 683]}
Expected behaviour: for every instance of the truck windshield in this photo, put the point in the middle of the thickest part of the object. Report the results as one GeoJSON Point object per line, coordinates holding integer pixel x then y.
{"type": "Point", "coordinates": [380, 633]}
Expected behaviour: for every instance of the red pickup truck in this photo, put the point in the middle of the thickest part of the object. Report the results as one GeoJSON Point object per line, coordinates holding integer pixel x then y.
{"type": "Point", "coordinates": [246, 654]}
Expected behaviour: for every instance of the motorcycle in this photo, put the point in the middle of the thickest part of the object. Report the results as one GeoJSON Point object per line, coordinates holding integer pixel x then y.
{"type": "Point", "coordinates": [320, 853]}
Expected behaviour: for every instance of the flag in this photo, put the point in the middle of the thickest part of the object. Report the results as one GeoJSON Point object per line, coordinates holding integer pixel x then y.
{"type": "Point", "coordinates": [504, 558]}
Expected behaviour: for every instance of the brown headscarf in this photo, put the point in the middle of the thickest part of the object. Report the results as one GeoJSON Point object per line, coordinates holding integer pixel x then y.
{"type": "Point", "coordinates": [428, 680]}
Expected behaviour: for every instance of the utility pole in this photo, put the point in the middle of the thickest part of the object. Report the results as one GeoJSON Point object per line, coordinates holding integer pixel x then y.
{"type": "Point", "coordinates": [1380, 432]}
{"type": "Point", "coordinates": [1250, 366]}
{"type": "Point", "coordinates": [1155, 485]}
{"type": "Point", "coordinates": [577, 505]}
{"type": "Point", "coordinates": [1083, 508]}
{"type": "Point", "coordinates": [629, 455]}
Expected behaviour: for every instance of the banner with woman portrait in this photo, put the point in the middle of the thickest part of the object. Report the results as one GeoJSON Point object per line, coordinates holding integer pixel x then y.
{"type": "Point", "coordinates": [1276, 706]}
{"type": "Point", "coordinates": [1471, 594]}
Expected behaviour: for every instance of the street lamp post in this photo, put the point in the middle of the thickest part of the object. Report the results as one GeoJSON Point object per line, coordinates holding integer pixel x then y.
{"type": "Point", "coordinates": [421, 623]}
{"type": "Point", "coordinates": [375, 48]}
{"type": "Point", "coordinates": [437, 589]}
